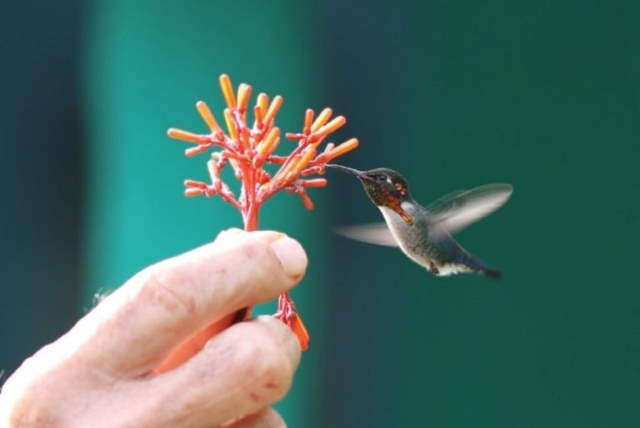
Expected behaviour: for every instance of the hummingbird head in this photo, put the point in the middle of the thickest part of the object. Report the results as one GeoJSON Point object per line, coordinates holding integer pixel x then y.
{"type": "Point", "coordinates": [385, 187]}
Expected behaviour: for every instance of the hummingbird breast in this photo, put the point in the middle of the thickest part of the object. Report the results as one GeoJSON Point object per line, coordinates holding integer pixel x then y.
{"type": "Point", "coordinates": [438, 257]}
{"type": "Point", "coordinates": [413, 239]}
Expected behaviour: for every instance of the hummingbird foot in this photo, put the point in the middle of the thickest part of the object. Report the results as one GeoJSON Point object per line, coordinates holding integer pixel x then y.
{"type": "Point", "coordinates": [434, 269]}
{"type": "Point", "coordinates": [288, 314]}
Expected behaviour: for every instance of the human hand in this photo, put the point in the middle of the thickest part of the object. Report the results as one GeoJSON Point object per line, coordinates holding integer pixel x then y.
{"type": "Point", "coordinates": [101, 373]}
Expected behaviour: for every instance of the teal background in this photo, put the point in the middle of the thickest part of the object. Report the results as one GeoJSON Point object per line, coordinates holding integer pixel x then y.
{"type": "Point", "coordinates": [453, 95]}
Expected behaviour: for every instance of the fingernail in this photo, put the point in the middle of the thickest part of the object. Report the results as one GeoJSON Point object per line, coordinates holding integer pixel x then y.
{"type": "Point", "coordinates": [291, 255]}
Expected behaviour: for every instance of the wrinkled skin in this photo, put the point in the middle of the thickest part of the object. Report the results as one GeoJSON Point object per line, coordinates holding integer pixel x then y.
{"type": "Point", "coordinates": [100, 373]}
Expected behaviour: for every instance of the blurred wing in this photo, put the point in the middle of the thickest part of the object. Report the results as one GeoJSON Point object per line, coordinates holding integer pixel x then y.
{"type": "Point", "coordinates": [373, 233]}
{"type": "Point", "coordinates": [458, 210]}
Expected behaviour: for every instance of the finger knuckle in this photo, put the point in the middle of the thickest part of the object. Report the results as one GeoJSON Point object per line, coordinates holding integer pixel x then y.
{"type": "Point", "coordinates": [164, 289]}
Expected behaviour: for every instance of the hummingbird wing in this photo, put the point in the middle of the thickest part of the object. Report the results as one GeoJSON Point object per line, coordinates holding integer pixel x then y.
{"type": "Point", "coordinates": [372, 233]}
{"type": "Point", "coordinates": [458, 210]}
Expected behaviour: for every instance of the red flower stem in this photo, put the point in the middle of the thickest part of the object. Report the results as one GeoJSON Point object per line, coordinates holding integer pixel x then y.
{"type": "Point", "coordinates": [286, 312]}
{"type": "Point", "coordinates": [250, 213]}
{"type": "Point", "coordinates": [276, 159]}
{"type": "Point", "coordinates": [304, 142]}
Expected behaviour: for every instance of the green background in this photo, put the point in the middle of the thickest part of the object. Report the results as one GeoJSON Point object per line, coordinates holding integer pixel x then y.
{"type": "Point", "coordinates": [453, 95]}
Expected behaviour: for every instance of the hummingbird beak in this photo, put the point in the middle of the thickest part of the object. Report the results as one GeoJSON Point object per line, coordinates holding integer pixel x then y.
{"type": "Point", "coordinates": [360, 174]}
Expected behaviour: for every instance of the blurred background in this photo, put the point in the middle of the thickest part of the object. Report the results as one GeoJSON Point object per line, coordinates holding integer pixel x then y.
{"type": "Point", "coordinates": [545, 95]}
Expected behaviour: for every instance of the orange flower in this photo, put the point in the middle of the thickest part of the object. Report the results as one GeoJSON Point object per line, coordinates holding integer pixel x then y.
{"type": "Point", "coordinates": [248, 150]}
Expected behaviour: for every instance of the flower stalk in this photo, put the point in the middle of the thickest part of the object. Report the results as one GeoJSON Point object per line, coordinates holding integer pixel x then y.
{"type": "Point", "coordinates": [249, 151]}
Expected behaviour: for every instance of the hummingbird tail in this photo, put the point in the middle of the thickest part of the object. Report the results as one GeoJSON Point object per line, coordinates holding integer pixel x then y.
{"type": "Point", "coordinates": [481, 267]}
{"type": "Point", "coordinates": [492, 273]}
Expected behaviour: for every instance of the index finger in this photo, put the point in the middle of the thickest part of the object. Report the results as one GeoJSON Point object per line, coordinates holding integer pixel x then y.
{"type": "Point", "coordinates": [137, 326]}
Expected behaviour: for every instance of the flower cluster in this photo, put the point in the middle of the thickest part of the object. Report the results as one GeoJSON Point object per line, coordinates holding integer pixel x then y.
{"type": "Point", "coordinates": [248, 149]}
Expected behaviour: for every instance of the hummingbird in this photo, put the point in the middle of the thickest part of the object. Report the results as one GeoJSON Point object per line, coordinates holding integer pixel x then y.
{"type": "Point", "coordinates": [424, 234]}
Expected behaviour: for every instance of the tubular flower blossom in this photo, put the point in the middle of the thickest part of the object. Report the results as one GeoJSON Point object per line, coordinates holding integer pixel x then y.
{"type": "Point", "coordinates": [247, 150]}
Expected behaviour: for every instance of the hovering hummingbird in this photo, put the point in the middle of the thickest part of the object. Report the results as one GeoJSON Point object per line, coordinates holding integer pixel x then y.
{"type": "Point", "coordinates": [424, 234]}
